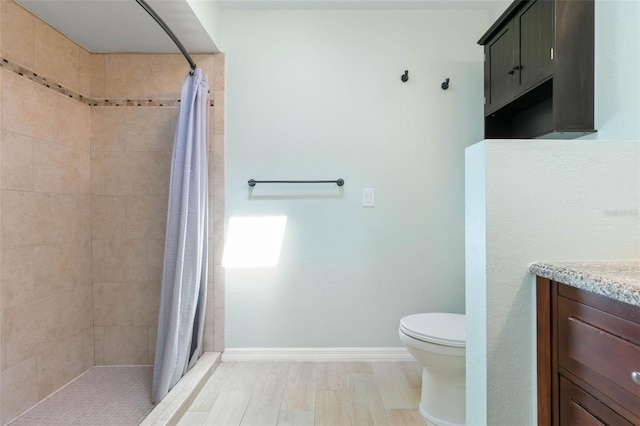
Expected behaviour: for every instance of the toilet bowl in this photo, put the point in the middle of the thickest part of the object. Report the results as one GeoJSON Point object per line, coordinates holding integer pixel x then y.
{"type": "Point", "coordinates": [437, 341]}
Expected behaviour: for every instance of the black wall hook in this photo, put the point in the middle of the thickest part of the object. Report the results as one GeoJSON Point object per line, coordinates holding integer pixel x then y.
{"type": "Point", "coordinates": [445, 85]}
{"type": "Point", "coordinates": [405, 76]}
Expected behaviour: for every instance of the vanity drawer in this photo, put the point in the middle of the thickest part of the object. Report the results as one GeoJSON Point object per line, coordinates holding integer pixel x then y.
{"type": "Point", "coordinates": [600, 349]}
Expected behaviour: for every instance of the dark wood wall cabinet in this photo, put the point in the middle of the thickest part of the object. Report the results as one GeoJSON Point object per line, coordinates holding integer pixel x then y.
{"type": "Point", "coordinates": [539, 70]}
{"type": "Point", "coordinates": [588, 357]}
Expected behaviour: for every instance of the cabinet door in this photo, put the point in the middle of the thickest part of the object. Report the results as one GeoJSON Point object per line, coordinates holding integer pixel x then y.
{"type": "Point", "coordinates": [535, 33]}
{"type": "Point", "coordinates": [577, 407]}
{"type": "Point", "coordinates": [500, 75]}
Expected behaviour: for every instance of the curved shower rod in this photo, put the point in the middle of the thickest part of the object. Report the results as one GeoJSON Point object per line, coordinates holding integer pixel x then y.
{"type": "Point", "coordinates": [167, 30]}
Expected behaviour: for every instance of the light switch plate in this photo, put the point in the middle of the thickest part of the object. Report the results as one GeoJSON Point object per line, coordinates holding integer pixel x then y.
{"type": "Point", "coordinates": [368, 197]}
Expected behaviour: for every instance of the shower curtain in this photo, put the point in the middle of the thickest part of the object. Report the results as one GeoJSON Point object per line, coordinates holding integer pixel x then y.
{"type": "Point", "coordinates": [184, 275]}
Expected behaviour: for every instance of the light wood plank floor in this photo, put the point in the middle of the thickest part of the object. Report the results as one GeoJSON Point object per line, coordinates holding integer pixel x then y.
{"type": "Point", "coordinates": [309, 394]}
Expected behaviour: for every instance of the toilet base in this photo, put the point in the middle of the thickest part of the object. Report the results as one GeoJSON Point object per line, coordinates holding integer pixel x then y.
{"type": "Point", "coordinates": [435, 420]}
{"type": "Point", "coordinates": [442, 399]}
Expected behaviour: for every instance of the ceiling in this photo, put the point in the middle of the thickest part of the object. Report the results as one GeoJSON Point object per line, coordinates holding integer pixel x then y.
{"type": "Point", "coordinates": [107, 26]}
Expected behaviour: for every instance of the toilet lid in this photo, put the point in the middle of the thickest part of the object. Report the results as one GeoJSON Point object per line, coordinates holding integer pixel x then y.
{"type": "Point", "coordinates": [439, 328]}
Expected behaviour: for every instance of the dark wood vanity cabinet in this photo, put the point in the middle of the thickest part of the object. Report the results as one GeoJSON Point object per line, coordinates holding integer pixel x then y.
{"type": "Point", "coordinates": [588, 357]}
{"type": "Point", "coordinates": [538, 70]}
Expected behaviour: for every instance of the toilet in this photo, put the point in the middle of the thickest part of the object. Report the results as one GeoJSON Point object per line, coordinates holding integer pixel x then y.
{"type": "Point", "coordinates": [437, 341]}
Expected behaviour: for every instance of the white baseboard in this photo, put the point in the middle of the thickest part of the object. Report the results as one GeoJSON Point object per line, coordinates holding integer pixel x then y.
{"type": "Point", "coordinates": [317, 354]}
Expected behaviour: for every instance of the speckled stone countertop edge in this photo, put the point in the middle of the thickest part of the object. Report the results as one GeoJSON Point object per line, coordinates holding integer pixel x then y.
{"type": "Point", "coordinates": [607, 286]}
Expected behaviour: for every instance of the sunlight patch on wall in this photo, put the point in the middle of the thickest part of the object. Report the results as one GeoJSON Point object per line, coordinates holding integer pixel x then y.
{"type": "Point", "coordinates": [254, 242]}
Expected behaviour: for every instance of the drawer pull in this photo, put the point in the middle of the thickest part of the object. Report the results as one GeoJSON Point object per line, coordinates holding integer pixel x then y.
{"type": "Point", "coordinates": [635, 376]}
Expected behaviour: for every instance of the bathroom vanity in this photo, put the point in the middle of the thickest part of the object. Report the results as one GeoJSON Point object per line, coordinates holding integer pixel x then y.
{"type": "Point", "coordinates": [588, 343]}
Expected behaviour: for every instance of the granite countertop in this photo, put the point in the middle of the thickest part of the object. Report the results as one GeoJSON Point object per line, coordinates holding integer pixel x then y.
{"type": "Point", "coordinates": [616, 280]}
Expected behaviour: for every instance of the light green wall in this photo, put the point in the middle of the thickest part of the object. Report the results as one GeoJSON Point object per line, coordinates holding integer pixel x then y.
{"type": "Point", "coordinates": [318, 95]}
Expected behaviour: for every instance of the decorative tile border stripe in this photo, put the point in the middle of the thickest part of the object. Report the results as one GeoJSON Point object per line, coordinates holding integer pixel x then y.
{"type": "Point", "coordinates": [38, 79]}
{"type": "Point", "coordinates": [28, 74]}
{"type": "Point", "coordinates": [135, 102]}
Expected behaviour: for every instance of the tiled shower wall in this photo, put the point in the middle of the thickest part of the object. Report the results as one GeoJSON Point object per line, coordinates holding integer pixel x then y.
{"type": "Point", "coordinates": [130, 165]}
{"type": "Point", "coordinates": [46, 290]}
{"type": "Point", "coordinates": [84, 175]}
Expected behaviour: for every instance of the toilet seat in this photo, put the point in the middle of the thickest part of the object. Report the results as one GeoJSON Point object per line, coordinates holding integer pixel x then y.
{"type": "Point", "coordinates": [440, 328]}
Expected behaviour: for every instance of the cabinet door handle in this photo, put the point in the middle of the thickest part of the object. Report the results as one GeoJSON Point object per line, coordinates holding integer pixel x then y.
{"type": "Point", "coordinates": [514, 69]}
{"type": "Point", "coordinates": [635, 376]}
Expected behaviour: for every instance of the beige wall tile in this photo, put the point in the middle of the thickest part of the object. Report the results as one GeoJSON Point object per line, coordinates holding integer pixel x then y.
{"type": "Point", "coordinates": [50, 264]}
{"type": "Point", "coordinates": [108, 217]}
{"type": "Point", "coordinates": [159, 172]}
{"type": "Point", "coordinates": [59, 364]}
{"type": "Point", "coordinates": [18, 219]}
{"type": "Point", "coordinates": [138, 175]}
{"type": "Point", "coordinates": [218, 286]}
{"type": "Point", "coordinates": [207, 338]}
{"type": "Point", "coordinates": [216, 244]}
{"type": "Point", "coordinates": [17, 162]}
{"type": "Point", "coordinates": [115, 261]}
{"type": "Point", "coordinates": [218, 330]}
{"type": "Point", "coordinates": [126, 345]}
{"type": "Point", "coordinates": [152, 335]}
{"type": "Point", "coordinates": [56, 57]}
{"type": "Point", "coordinates": [110, 173]}
{"type": "Point", "coordinates": [17, 34]}
{"type": "Point", "coordinates": [137, 264]}
{"type": "Point", "coordinates": [97, 76]}
{"type": "Point", "coordinates": [17, 284]}
{"type": "Point", "coordinates": [28, 108]}
{"type": "Point", "coordinates": [79, 269]}
{"type": "Point", "coordinates": [75, 211]}
{"type": "Point", "coordinates": [31, 327]}
{"type": "Point", "coordinates": [151, 128]}
{"type": "Point", "coordinates": [77, 314]}
{"type": "Point", "coordinates": [85, 73]}
{"type": "Point", "coordinates": [155, 249]}
{"type": "Point", "coordinates": [97, 260]}
{"type": "Point", "coordinates": [219, 72]}
{"type": "Point", "coordinates": [48, 167]}
{"type": "Point", "coordinates": [47, 220]}
{"type": "Point", "coordinates": [108, 129]}
{"type": "Point", "coordinates": [218, 116]}
{"type": "Point", "coordinates": [98, 347]}
{"type": "Point", "coordinates": [75, 124]}
{"type": "Point", "coordinates": [146, 216]}
{"type": "Point", "coordinates": [210, 269]}
{"type": "Point", "coordinates": [76, 174]}
{"type": "Point", "coordinates": [110, 304]}
{"type": "Point", "coordinates": [166, 75]}
{"type": "Point", "coordinates": [126, 76]}
{"type": "Point", "coordinates": [3, 352]}
{"type": "Point", "coordinates": [88, 344]}
{"type": "Point", "coordinates": [217, 148]}
{"type": "Point", "coordinates": [143, 302]}
{"type": "Point", "coordinates": [19, 389]}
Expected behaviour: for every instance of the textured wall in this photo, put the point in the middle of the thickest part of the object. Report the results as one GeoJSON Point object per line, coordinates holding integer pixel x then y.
{"type": "Point", "coordinates": [535, 201]}
{"type": "Point", "coordinates": [318, 95]}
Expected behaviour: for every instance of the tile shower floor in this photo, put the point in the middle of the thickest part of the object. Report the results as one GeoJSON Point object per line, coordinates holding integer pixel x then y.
{"type": "Point", "coordinates": [103, 396]}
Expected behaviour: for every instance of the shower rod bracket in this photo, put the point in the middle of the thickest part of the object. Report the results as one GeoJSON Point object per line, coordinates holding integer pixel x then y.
{"type": "Point", "coordinates": [252, 182]}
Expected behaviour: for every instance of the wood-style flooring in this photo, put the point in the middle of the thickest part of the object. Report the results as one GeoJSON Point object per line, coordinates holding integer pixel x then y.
{"type": "Point", "coordinates": [309, 394]}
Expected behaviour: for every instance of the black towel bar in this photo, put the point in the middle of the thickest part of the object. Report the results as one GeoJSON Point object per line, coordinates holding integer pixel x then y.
{"type": "Point", "coordinates": [253, 182]}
